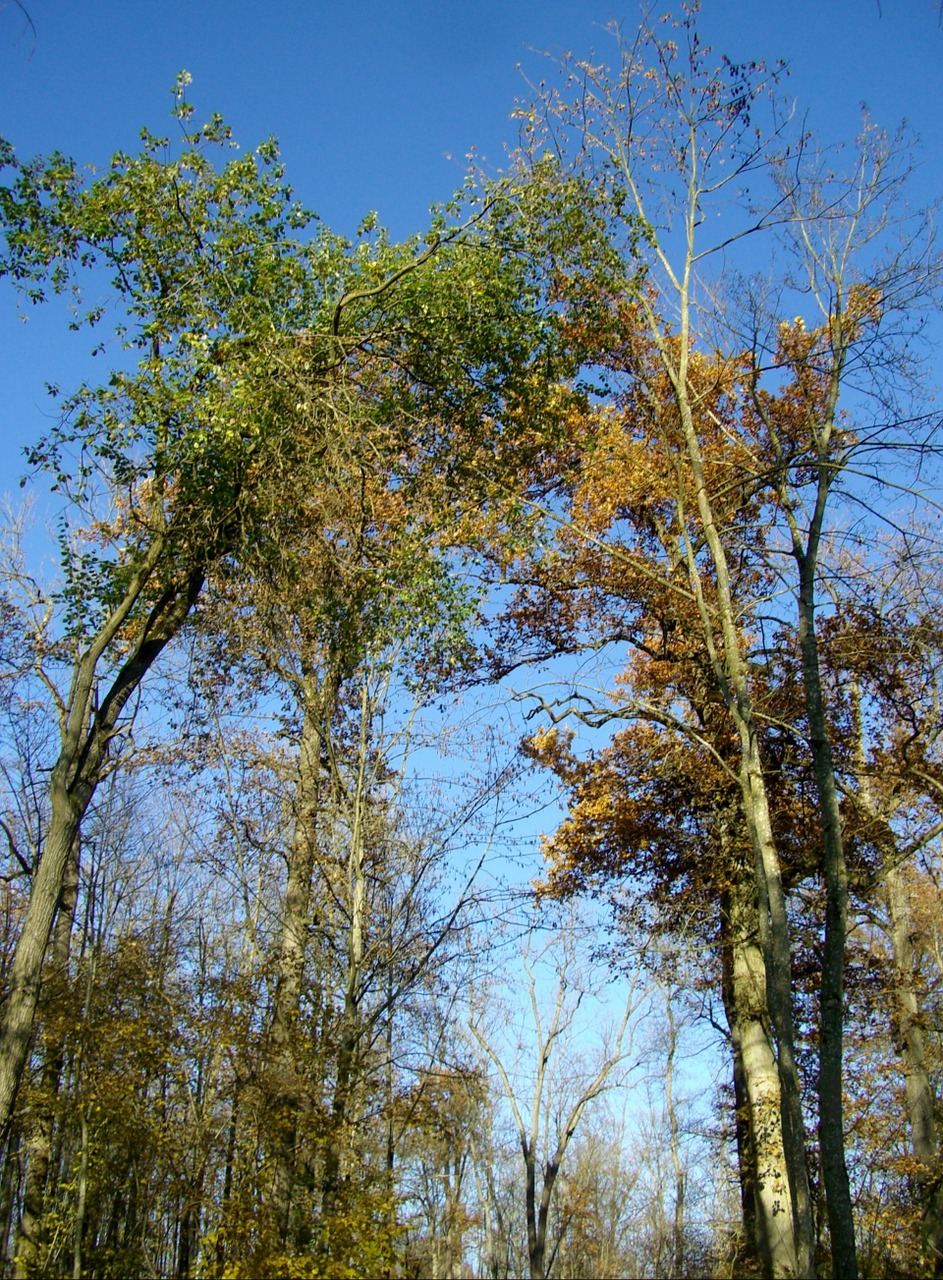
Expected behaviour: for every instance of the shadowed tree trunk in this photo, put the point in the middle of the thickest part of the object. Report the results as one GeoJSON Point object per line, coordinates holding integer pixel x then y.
{"type": "Point", "coordinates": [75, 776]}
{"type": "Point", "coordinates": [38, 1144]}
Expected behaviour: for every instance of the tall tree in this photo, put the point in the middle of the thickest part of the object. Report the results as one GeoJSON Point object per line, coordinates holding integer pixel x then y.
{"type": "Point", "coordinates": [251, 349]}
{"type": "Point", "coordinates": [658, 145]}
{"type": "Point", "coordinates": [718, 443]}
{"type": "Point", "coordinates": [156, 466]}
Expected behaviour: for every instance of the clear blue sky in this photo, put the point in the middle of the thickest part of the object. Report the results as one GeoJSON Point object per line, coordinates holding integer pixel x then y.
{"type": "Point", "coordinates": [370, 99]}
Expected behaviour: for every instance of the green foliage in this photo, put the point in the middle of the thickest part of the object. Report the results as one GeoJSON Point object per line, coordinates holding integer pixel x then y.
{"type": "Point", "coordinates": [203, 270]}
{"type": "Point", "coordinates": [315, 428]}
{"type": "Point", "coordinates": [250, 355]}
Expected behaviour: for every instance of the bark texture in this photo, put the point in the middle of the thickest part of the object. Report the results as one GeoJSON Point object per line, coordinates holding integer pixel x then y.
{"type": "Point", "coordinates": [30, 1229]}
{"type": "Point", "coordinates": [765, 1182]}
{"type": "Point", "coordinates": [292, 1090]}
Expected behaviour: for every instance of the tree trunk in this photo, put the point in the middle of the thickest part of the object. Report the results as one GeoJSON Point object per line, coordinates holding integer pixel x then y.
{"type": "Point", "coordinates": [743, 1125]}
{"type": "Point", "coordinates": [675, 1135]}
{"type": "Point", "coordinates": [228, 1172]}
{"type": "Point", "coordinates": [39, 1142]}
{"type": "Point", "coordinates": [911, 1045]}
{"type": "Point", "coordinates": [907, 1017]}
{"type": "Point", "coordinates": [767, 1167]}
{"type": "Point", "coordinates": [773, 935]}
{"type": "Point", "coordinates": [16, 1030]}
{"type": "Point", "coordinates": [841, 1226]}
{"type": "Point", "coordinates": [85, 742]}
{"type": "Point", "coordinates": [9, 1168]}
{"type": "Point", "coordinates": [290, 1089]}
{"type": "Point", "coordinates": [719, 614]}
{"type": "Point", "coordinates": [536, 1239]}
{"type": "Point", "coordinates": [350, 1022]}
{"type": "Point", "coordinates": [78, 1231]}
{"type": "Point", "coordinates": [348, 1042]}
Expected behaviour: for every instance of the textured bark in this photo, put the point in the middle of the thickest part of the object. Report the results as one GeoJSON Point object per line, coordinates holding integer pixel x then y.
{"type": "Point", "coordinates": [292, 1090]}
{"type": "Point", "coordinates": [771, 1191]}
{"type": "Point", "coordinates": [721, 619]}
{"type": "Point", "coordinates": [773, 932]}
{"type": "Point", "coordinates": [732, 678]}
{"type": "Point", "coordinates": [350, 1030]}
{"type": "Point", "coordinates": [749, 1256]}
{"type": "Point", "coordinates": [841, 1226]}
{"type": "Point", "coordinates": [806, 525]}
{"type": "Point", "coordinates": [16, 1029]}
{"type": "Point", "coordinates": [9, 1167]}
{"type": "Point", "coordinates": [911, 1045]}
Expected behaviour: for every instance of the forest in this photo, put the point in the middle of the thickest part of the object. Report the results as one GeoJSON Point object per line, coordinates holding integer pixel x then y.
{"type": "Point", "coordinates": [472, 779]}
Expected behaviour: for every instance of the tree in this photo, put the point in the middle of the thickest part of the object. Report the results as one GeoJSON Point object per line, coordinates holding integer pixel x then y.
{"type": "Point", "coordinates": [882, 658]}
{"type": "Point", "coordinates": [156, 466]}
{"type": "Point", "coordinates": [445, 1110]}
{"type": "Point", "coordinates": [547, 1099]}
{"type": "Point", "coordinates": [619, 840]}
{"type": "Point", "coordinates": [712, 451]}
{"type": "Point", "coordinates": [251, 350]}
{"type": "Point", "coordinates": [868, 288]}
{"type": "Point", "coordinates": [656, 146]}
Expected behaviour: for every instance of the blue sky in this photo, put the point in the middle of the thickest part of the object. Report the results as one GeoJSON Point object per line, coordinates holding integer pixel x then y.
{"type": "Point", "coordinates": [376, 104]}
{"type": "Point", "coordinates": [369, 98]}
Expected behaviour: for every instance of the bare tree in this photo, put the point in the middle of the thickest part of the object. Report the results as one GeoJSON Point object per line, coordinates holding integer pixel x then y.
{"type": "Point", "coordinates": [546, 1079]}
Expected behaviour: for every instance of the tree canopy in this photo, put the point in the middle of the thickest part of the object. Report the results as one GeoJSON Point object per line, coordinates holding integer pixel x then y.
{"type": "Point", "coordinates": [652, 403]}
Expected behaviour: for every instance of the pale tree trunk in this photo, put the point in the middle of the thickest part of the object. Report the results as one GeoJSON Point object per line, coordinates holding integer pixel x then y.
{"type": "Point", "coordinates": [767, 1164]}
{"type": "Point", "coordinates": [40, 1126]}
{"type": "Point", "coordinates": [720, 618]}
{"type": "Point", "coordinates": [911, 1045]}
{"type": "Point", "coordinates": [749, 1256]}
{"type": "Point", "coordinates": [291, 1089]}
{"type": "Point", "coordinates": [773, 933]}
{"type": "Point", "coordinates": [730, 670]}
